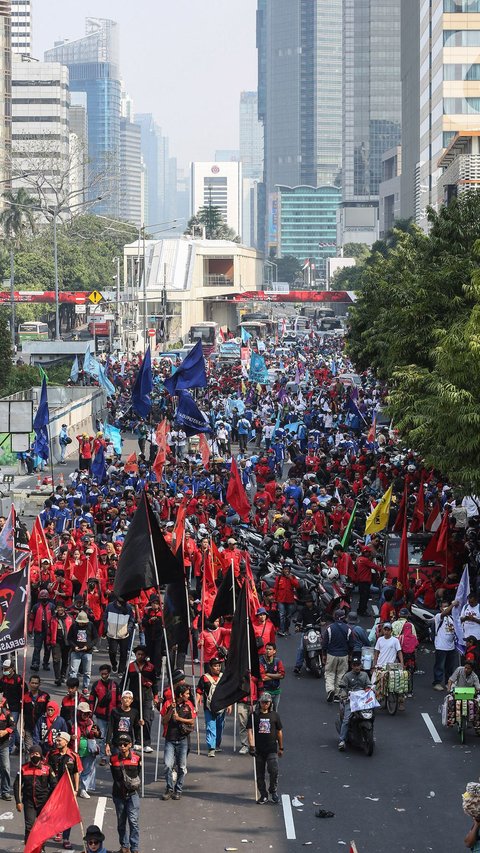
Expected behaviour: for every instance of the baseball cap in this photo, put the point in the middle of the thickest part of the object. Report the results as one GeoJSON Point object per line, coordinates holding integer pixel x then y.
{"type": "Point", "coordinates": [260, 611]}
{"type": "Point", "coordinates": [265, 697]}
{"type": "Point", "coordinates": [387, 625]}
{"type": "Point", "coordinates": [84, 707]}
{"type": "Point", "coordinates": [127, 693]}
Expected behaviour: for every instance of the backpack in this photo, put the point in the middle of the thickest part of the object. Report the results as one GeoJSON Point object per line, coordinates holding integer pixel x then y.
{"type": "Point", "coordinates": [213, 686]}
{"type": "Point", "coordinates": [407, 639]}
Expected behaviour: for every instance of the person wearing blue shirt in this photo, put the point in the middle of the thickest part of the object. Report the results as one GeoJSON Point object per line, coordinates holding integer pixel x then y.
{"type": "Point", "coordinates": [62, 517]}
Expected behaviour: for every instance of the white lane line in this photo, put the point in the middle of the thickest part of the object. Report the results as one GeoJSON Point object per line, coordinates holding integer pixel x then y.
{"type": "Point", "coordinates": [375, 609]}
{"type": "Point", "coordinates": [288, 817]}
{"type": "Point", "coordinates": [100, 812]}
{"type": "Point", "coordinates": [431, 728]}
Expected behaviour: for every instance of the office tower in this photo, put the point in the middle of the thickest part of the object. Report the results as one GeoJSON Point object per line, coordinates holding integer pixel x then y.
{"type": "Point", "coordinates": [93, 64]}
{"type": "Point", "coordinates": [251, 137]}
{"type": "Point", "coordinates": [5, 97]}
{"type": "Point", "coordinates": [226, 155]}
{"type": "Point", "coordinates": [40, 127]}
{"type": "Point", "coordinates": [410, 69]}
{"type": "Point", "coordinates": [300, 90]}
{"type": "Point", "coordinates": [130, 206]}
{"type": "Point", "coordinates": [160, 172]}
{"type": "Point", "coordinates": [218, 185]}
{"type": "Point", "coordinates": [21, 27]}
{"type": "Point", "coordinates": [449, 99]}
{"type": "Point", "coordinates": [78, 136]}
{"type": "Point", "coordinates": [371, 109]}
{"type": "Point", "coordinates": [307, 224]}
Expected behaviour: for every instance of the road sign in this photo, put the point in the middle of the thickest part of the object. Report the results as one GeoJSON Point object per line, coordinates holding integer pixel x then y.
{"type": "Point", "coordinates": [151, 333]}
{"type": "Point", "coordinates": [95, 297]}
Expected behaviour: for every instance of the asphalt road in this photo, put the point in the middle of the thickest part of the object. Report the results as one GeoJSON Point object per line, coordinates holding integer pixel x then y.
{"type": "Point", "coordinates": [406, 797]}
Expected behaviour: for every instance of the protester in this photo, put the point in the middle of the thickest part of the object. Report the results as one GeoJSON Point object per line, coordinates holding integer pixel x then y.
{"type": "Point", "coordinates": [178, 717]}
{"type": "Point", "coordinates": [33, 786]}
{"type": "Point", "coordinates": [214, 723]}
{"type": "Point", "coordinates": [62, 759]}
{"type": "Point", "coordinates": [337, 643]}
{"type": "Point", "coordinates": [265, 741]}
{"type": "Point", "coordinates": [125, 766]}
{"type": "Point", "coordinates": [355, 679]}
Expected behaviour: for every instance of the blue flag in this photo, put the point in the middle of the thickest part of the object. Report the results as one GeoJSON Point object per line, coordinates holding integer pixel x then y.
{"type": "Point", "coordinates": [142, 388]}
{"type": "Point", "coordinates": [461, 595]}
{"type": "Point", "coordinates": [90, 364]}
{"type": "Point", "coordinates": [112, 433]}
{"type": "Point", "coordinates": [189, 416]}
{"type": "Point", "coordinates": [99, 467]}
{"type": "Point", "coordinates": [245, 336]}
{"type": "Point", "coordinates": [190, 374]}
{"type": "Point", "coordinates": [40, 424]}
{"type": "Point", "coordinates": [105, 381]}
{"type": "Point", "coordinates": [258, 369]}
{"type": "Point", "coordinates": [74, 370]}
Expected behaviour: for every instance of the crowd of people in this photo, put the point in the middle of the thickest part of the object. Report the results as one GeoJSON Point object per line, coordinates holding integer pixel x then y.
{"type": "Point", "coordinates": [313, 465]}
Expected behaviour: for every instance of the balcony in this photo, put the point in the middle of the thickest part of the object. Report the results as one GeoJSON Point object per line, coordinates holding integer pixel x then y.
{"type": "Point", "coordinates": [217, 281]}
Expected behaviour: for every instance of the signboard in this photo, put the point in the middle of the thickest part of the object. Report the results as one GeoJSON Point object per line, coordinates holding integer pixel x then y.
{"type": "Point", "coordinates": [16, 416]}
{"type": "Point", "coordinates": [151, 333]}
{"type": "Point", "coordinates": [95, 297]}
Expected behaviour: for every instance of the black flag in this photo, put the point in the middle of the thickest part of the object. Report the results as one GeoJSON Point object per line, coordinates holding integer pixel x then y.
{"type": "Point", "coordinates": [235, 681]}
{"type": "Point", "coordinates": [136, 566]}
{"type": "Point", "coordinates": [223, 604]}
{"type": "Point", "coordinates": [175, 609]}
{"type": "Point", "coordinates": [13, 600]}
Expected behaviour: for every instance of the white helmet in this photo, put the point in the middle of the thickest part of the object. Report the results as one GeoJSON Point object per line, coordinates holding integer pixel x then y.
{"type": "Point", "coordinates": [330, 574]}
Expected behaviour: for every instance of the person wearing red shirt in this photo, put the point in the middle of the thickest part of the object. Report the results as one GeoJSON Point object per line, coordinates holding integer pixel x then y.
{"type": "Point", "coordinates": [307, 526]}
{"type": "Point", "coordinates": [262, 497]}
{"type": "Point", "coordinates": [365, 567]}
{"type": "Point", "coordinates": [264, 630]}
{"type": "Point", "coordinates": [212, 639]}
{"type": "Point", "coordinates": [319, 520]}
{"type": "Point", "coordinates": [284, 590]}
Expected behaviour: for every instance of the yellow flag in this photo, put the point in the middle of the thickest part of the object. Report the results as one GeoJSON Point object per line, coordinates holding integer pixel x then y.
{"type": "Point", "coordinates": [378, 519]}
{"type": "Point", "coordinates": [244, 387]}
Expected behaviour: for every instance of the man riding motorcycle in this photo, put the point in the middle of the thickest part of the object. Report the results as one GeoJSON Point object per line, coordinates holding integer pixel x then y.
{"type": "Point", "coordinates": [309, 615]}
{"type": "Point", "coordinates": [355, 679]}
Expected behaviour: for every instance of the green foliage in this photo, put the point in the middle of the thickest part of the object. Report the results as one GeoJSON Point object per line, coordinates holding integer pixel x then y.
{"type": "Point", "coordinates": [288, 268]}
{"type": "Point", "coordinates": [359, 251]}
{"type": "Point", "coordinates": [215, 226]}
{"type": "Point", "coordinates": [23, 376]}
{"type": "Point", "coordinates": [417, 324]}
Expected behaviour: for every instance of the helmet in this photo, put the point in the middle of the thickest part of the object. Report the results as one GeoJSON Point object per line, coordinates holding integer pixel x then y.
{"type": "Point", "coordinates": [330, 574]}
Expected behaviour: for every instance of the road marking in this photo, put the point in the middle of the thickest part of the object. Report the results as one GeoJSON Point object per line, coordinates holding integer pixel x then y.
{"type": "Point", "coordinates": [288, 817]}
{"type": "Point", "coordinates": [375, 609]}
{"type": "Point", "coordinates": [100, 812]}
{"type": "Point", "coordinates": [431, 728]}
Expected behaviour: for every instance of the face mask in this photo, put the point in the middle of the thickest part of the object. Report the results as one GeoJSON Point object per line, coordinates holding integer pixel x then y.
{"type": "Point", "coordinates": [36, 759]}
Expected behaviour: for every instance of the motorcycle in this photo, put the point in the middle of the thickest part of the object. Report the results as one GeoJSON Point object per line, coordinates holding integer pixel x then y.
{"type": "Point", "coordinates": [423, 620]}
{"type": "Point", "coordinates": [360, 728]}
{"type": "Point", "coordinates": [312, 649]}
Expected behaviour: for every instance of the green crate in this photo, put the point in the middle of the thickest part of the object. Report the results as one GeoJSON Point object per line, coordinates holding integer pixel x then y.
{"type": "Point", "coordinates": [464, 692]}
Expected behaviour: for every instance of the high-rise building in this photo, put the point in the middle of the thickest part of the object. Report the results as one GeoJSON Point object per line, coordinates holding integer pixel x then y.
{"type": "Point", "coordinates": [93, 64]}
{"type": "Point", "coordinates": [251, 137]}
{"type": "Point", "coordinates": [160, 172]}
{"type": "Point", "coordinates": [410, 67]}
{"type": "Point", "coordinates": [307, 224]}
{"type": "Point", "coordinates": [300, 90]}
{"type": "Point", "coordinates": [21, 27]}
{"type": "Point", "coordinates": [40, 128]}
{"type": "Point", "coordinates": [130, 206]}
{"type": "Point", "coordinates": [449, 93]}
{"type": "Point", "coordinates": [299, 93]}
{"type": "Point", "coordinates": [5, 95]}
{"type": "Point", "coordinates": [218, 185]}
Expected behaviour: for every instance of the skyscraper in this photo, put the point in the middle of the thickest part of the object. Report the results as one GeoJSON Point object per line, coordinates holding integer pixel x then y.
{"type": "Point", "coordinates": [300, 90]}
{"type": "Point", "coordinates": [449, 94]}
{"type": "Point", "coordinates": [410, 63]}
{"type": "Point", "coordinates": [93, 64]}
{"type": "Point", "coordinates": [21, 27]}
{"type": "Point", "coordinates": [5, 95]}
{"type": "Point", "coordinates": [160, 171]}
{"type": "Point", "coordinates": [251, 137]}
{"type": "Point", "coordinates": [371, 104]}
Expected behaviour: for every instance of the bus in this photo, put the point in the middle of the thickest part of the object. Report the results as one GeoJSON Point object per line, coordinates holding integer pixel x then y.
{"type": "Point", "coordinates": [33, 331]}
{"type": "Point", "coordinates": [255, 329]}
{"type": "Point", "coordinates": [207, 332]}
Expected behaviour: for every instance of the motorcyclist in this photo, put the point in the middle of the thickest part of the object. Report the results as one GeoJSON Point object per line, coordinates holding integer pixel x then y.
{"type": "Point", "coordinates": [355, 679]}
{"type": "Point", "coordinates": [309, 615]}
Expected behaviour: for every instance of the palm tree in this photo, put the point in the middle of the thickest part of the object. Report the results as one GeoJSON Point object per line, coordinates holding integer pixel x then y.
{"type": "Point", "coordinates": [16, 218]}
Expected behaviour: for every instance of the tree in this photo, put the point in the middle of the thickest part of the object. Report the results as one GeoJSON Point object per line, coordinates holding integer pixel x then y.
{"type": "Point", "coordinates": [18, 216]}
{"type": "Point", "coordinates": [359, 251]}
{"type": "Point", "coordinates": [211, 218]}
{"type": "Point", "coordinates": [288, 268]}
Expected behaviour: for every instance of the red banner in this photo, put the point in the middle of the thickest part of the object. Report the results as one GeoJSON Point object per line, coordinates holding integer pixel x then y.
{"type": "Point", "coordinates": [297, 296]}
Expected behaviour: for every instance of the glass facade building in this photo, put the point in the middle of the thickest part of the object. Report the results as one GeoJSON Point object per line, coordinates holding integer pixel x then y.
{"type": "Point", "coordinates": [372, 100]}
{"type": "Point", "coordinates": [306, 223]}
{"type": "Point", "coordinates": [93, 65]}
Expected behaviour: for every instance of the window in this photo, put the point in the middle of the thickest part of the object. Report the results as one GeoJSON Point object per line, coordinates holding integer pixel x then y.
{"type": "Point", "coordinates": [461, 106]}
{"type": "Point", "coordinates": [461, 72]}
{"type": "Point", "coordinates": [461, 5]}
{"type": "Point", "coordinates": [461, 38]}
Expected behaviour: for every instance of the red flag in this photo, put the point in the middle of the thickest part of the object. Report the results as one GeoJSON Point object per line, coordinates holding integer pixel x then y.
{"type": "Point", "coordinates": [204, 450]}
{"type": "Point", "coordinates": [222, 334]}
{"type": "Point", "coordinates": [398, 524]}
{"type": "Point", "coordinates": [353, 847]}
{"type": "Point", "coordinates": [60, 812]}
{"type": "Point", "coordinates": [179, 529]}
{"type": "Point", "coordinates": [161, 436]}
{"type": "Point", "coordinates": [434, 520]}
{"type": "Point", "coordinates": [161, 433]}
{"type": "Point", "coordinates": [403, 559]}
{"type": "Point", "coordinates": [418, 519]}
{"type": "Point", "coordinates": [236, 496]}
{"type": "Point", "coordinates": [372, 432]}
{"type": "Point", "coordinates": [37, 542]}
{"type": "Point", "coordinates": [436, 550]}
{"type": "Point", "coordinates": [131, 466]}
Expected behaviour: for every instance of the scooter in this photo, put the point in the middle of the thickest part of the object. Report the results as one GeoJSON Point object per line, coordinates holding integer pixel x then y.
{"type": "Point", "coordinates": [312, 648]}
{"type": "Point", "coordinates": [360, 729]}
{"type": "Point", "coordinates": [423, 620]}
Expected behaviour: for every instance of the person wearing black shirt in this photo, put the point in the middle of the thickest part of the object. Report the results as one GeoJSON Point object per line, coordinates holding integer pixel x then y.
{"type": "Point", "coordinates": [178, 717]}
{"type": "Point", "coordinates": [309, 615]}
{"type": "Point", "coordinates": [265, 739]}
{"type": "Point", "coordinates": [123, 721]}
{"type": "Point", "coordinates": [126, 768]}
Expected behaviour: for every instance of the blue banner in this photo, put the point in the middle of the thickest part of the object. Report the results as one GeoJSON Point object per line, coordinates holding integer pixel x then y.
{"type": "Point", "coordinates": [258, 369]}
{"type": "Point", "coordinates": [189, 415]}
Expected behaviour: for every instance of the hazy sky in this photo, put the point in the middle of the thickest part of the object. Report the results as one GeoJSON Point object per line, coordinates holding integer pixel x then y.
{"type": "Point", "coordinates": [185, 61]}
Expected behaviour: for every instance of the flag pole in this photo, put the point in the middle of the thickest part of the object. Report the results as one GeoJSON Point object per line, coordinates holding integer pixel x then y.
{"type": "Point", "coordinates": [189, 625]}
{"type": "Point", "coordinates": [142, 721]}
{"type": "Point", "coordinates": [235, 706]}
{"type": "Point", "coordinates": [81, 821]}
{"type": "Point", "coordinates": [249, 652]}
{"type": "Point", "coordinates": [159, 720]}
{"type": "Point", "coordinates": [24, 667]}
